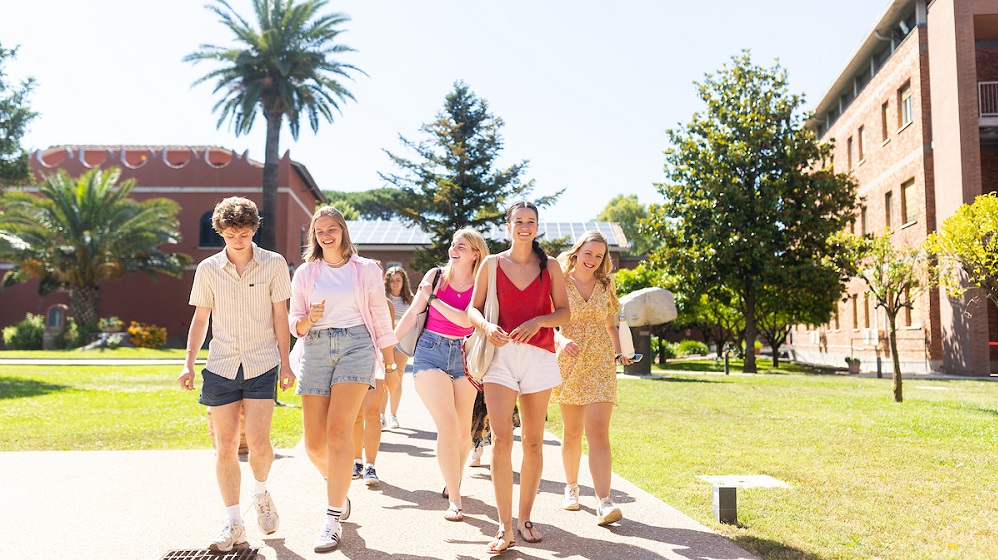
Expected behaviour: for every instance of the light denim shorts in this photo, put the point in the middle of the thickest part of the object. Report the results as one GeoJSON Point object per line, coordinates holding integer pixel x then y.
{"type": "Point", "coordinates": [334, 356]}
{"type": "Point", "coordinates": [434, 351]}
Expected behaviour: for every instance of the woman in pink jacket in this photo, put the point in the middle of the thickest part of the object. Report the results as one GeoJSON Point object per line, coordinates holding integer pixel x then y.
{"type": "Point", "coordinates": [340, 314]}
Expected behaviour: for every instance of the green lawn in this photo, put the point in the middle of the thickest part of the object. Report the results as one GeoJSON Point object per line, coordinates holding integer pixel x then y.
{"type": "Point", "coordinates": [870, 478]}
{"type": "Point", "coordinates": [113, 407]}
{"type": "Point", "coordinates": [117, 354]}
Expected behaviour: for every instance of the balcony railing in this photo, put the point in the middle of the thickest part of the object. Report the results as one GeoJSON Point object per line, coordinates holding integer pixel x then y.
{"type": "Point", "coordinates": [987, 99]}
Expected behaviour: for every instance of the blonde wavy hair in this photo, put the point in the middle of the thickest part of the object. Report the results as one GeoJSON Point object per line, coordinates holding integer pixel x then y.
{"type": "Point", "coordinates": [478, 245]}
{"type": "Point", "coordinates": [570, 258]}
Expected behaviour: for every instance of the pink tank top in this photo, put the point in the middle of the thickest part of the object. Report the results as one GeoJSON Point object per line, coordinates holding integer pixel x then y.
{"type": "Point", "coordinates": [436, 322]}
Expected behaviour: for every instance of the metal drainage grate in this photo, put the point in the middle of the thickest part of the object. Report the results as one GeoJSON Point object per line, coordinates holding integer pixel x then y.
{"type": "Point", "coordinates": [205, 554]}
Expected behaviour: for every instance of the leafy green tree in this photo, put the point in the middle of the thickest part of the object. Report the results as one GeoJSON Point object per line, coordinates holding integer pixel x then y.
{"type": "Point", "coordinates": [808, 296]}
{"type": "Point", "coordinates": [455, 182]}
{"type": "Point", "coordinates": [744, 205]}
{"type": "Point", "coordinates": [345, 208]}
{"type": "Point", "coordinates": [630, 214]}
{"type": "Point", "coordinates": [966, 247]}
{"type": "Point", "coordinates": [15, 115]}
{"type": "Point", "coordinates": [896, 275]}
{"type": "Point", "coordinates": [375, 204]}
{"type": "Point", "coordinates": [82, 232]}
{"type": "Point", "coordinates": [283, 67]}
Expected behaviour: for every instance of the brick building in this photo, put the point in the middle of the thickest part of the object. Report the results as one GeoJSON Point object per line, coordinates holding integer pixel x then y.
{"type": "Point", "coordinates": [914, 118]}
{"type": "Point", "coordinates": [196, 177]}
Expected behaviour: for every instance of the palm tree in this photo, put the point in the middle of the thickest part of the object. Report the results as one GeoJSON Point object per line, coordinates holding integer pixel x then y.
{"type": "Point", "coordinates": [83, 231]}
{"type": "Point", "coordinates": [284, 68]}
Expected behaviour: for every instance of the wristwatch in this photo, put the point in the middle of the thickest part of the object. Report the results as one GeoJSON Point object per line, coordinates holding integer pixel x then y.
{"type": "Point", "coordinates": [391, 368]}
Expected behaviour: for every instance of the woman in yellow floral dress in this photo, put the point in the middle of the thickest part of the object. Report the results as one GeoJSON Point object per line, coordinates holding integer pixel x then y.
{"type": "Point", "coordinates": [586, 347]}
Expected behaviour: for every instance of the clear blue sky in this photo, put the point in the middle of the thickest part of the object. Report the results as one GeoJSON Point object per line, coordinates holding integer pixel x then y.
{"type": "Point", "coordinates": [586, 89]}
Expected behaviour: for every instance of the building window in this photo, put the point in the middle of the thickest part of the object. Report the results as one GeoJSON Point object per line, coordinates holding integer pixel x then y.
{"type": "Point", "coordinates": [904, 105]}
{"type": "Point", "coordinates": [908, 319]}
{"type": "Point", "coordinates": [836, 319]}
{"type": "Point", "coordinates": [888, 210]}
{"type": "Point", "coordinates": [209, 237]}
{"type": "Point", "coordinates": [862, 220]}
{"type": "Point", "coordinates": [885, 132]}
{"type": "Point", "coordinates": [866, 310]}
{"type": "Point", "coordinates": [908, 204]}
{"type": "Point", "coordinates": [849, 153]}
{"type": "Point", "coordinates": [855, 312]}
{"type": "Point", "coordinates": [860, 140]}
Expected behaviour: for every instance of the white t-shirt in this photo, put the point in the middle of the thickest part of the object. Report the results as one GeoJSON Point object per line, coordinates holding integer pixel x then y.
{"type": "Point", "coordinates": [335, 285]}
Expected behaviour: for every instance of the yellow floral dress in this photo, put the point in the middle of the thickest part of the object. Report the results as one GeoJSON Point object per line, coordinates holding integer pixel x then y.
{"type": "Point", "coordinates": [592, 377]}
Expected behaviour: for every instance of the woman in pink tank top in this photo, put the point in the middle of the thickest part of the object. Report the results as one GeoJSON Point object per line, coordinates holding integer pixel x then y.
{"type": "Point", "coordinates": [437, 365]}
{"type": "Point", "coordinates": [532, 302]}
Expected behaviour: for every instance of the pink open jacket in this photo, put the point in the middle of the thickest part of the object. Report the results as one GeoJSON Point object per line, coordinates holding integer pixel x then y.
{"type": "Point", "coordinates": [369, 289]}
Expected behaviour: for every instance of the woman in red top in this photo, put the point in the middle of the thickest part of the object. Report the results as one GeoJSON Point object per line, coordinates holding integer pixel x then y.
{"type": "Point", "coordinates": [532, 301]}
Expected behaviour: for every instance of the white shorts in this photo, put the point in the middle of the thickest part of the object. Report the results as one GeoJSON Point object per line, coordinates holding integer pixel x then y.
{"type": "Point", "coordinates": [524, 368]}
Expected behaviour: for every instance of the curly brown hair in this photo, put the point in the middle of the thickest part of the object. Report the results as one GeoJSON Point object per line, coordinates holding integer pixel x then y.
{"type": "Point", "coordinates": [235, 212]}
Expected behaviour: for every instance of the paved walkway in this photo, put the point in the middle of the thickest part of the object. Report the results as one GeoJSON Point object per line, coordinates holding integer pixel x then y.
{"type": "Point", "coordinates": [143, 504]}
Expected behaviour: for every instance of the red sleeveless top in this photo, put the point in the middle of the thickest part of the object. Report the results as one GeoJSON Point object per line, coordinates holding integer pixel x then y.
{"type": "Point", "coordinates": [517, 307]}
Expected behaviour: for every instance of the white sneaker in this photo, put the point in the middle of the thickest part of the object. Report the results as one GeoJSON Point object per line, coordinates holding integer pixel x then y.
{"type": "Point", "coordinates": [571, 501]}
{"type": "Point", "coordinates": [233, 535]}
{"type": "Point", "coordinates": [392, 422]}
{"type": "Point", "coordinates": [607, 512]}
{"type": "Point", "coordinates": [266, 513]}
{"type": "Point", "coordinates": [383, 423]}
{"type": "Point", "coordinates": [329, 537]}
{"type": "Point", "coordinates": [475, 456]}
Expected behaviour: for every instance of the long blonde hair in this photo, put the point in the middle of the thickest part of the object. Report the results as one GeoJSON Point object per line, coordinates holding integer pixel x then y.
{"type": "Point", "coordinates": [478, 245]}
{"type": "Point", "coordinates": [570, 258]}
{"type": "Point", "coordinates": [313, 250]}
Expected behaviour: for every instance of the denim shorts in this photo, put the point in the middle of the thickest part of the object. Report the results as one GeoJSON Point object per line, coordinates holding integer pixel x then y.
{"type": "Point", "coordinates": [434, 351]}
{"type": "Point", "coordinates": [334, 356]}
{"type": "Point", "coordinates": [218, 391]}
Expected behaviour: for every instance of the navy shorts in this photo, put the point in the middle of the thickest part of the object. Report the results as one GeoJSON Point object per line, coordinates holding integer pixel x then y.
{"type": "Point", "coordinates": [434, 351]}
{"type": "Point", "coordinates": [218, 390]}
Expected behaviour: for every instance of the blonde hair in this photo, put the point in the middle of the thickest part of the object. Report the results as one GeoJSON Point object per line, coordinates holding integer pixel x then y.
{"type": "Point", "coordinates": [313, 251]}
{"type": "Point", "coordinates": [406, 292]}
{"type": "Point", "coordinates": [570, 258]}
{"type": "Point", "coordinates": [478, 245]}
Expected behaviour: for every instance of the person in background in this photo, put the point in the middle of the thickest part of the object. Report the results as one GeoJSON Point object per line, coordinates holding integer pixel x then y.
{"type": "Point", "coordinates": [438, 363]}
{"type": "Point", "coordinates": [532, 302]}
{"type": "Point", "coordinates": [340, 314]}
{"type": "Point", "coordinates": [367, 429]}
{"type": "Point", "coordinates": [400, 295]}
{"type": "Point", "coordinates": [242, 292]}
{"type": "Point", "coordinates": [586, 347]}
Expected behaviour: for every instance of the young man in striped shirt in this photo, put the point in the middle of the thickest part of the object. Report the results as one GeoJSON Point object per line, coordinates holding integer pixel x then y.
{"type": "Point", "coordinates": [243, 290]}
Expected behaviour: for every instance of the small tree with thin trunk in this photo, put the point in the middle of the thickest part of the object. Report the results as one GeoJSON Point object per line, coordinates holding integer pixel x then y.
{"type": "Point", "coordinates": [896, 276]}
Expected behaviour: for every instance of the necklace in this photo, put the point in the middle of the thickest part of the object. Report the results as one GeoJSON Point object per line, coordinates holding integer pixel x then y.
{"type": "Point", "coordinates": [523, 267]}
{"type": "Point", "coordinates": [335, 264]}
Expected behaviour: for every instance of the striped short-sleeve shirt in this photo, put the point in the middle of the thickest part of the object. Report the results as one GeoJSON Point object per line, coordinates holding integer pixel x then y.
{"type": "Point", "coordinates": [242, 316]}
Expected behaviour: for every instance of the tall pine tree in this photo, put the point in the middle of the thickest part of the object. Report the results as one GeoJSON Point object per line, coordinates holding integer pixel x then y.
{"type": "Point", "coordinates": [455, 182]}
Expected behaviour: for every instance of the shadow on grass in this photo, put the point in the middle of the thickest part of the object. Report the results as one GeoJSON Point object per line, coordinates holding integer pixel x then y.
{"type": "Point", "coordinates": [773, 549]}
{"type": "Point", "coordinates": [19, 388]}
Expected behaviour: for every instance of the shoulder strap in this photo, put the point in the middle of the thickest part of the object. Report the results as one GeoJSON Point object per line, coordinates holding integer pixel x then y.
{"type": "Point", "coordinates": [435, 278]}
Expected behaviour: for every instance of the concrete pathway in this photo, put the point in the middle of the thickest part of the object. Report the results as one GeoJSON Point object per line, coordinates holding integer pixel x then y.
{"type": "Point", "coordinates": [144, 504]}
